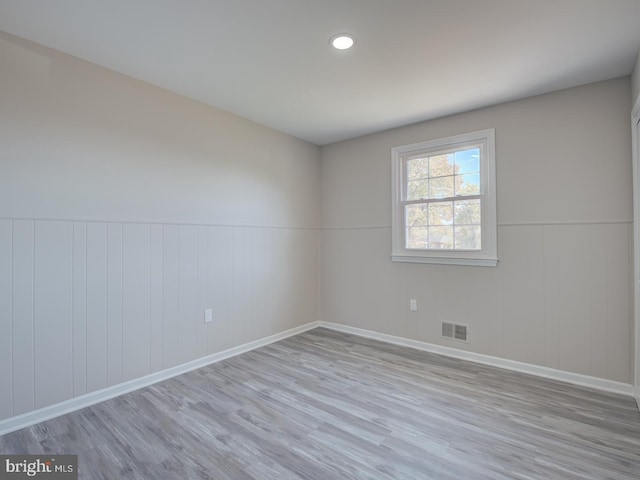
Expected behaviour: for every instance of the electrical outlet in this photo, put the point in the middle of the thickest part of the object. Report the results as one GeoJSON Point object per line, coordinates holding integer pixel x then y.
{"type": "Point", "coordinates": [208, 315]}
{"type": "Point", "coordinates": [413, 305]}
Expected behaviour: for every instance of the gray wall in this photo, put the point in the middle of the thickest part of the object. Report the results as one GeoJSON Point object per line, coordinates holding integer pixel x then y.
{"type": "Point", "coordinates": [125, 211]}
{"type": "Point", "coordinates": [561, 295]}
{"type": "Point", "coordinates": [635, 82]}
{"type": "Point", "coordinates": [635, 100]}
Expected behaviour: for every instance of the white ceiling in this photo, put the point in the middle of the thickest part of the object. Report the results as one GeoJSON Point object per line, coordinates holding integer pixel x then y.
{"type": "Point", "coordinates": [270, 60]}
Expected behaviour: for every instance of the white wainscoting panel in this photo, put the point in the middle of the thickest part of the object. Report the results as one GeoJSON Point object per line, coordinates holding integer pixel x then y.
{"type": "Point", "coordinates": [156, 302]}
{"type": "Point", "coordinates": [23, 307]}
{"type": "Point", "coordinates": [97, 319]}
{"type": "Point", "coordinates": [218, 287]}
{"type": "Point", "coordinates": [53, 317]}
{"type": "Point", "coordinates": [136, 300]}
{"type": "Point", "coordinates": [170, 277]}
{"type": "Point", "coordinates": [114, 304]}
{"type": "Point", "coordinates": [79, 305]}
{"type": "Point", "coordinates": [189, 317]}
{"type": "Point", "coordinates": [560, 296]}
{"type": "Point", "coordinates": [6, 326]}
{"type": "Point", "coordinates": [85, 306]}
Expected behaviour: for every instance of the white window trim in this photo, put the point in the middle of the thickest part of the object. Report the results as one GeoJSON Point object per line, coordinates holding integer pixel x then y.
{"type": "Point", "coordinates": [488, 256]}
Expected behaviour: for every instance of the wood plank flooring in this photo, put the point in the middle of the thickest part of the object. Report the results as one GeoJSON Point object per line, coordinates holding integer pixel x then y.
{"type": "Point", "coordinates": [327, 405]}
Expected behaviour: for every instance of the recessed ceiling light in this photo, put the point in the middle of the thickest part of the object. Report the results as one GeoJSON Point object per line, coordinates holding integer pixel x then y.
{"type": "Point", "coordinates": [342, 41]}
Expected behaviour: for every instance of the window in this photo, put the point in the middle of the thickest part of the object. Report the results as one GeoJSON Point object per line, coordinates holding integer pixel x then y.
{"type": "Point", "coordinates": [444, 201]}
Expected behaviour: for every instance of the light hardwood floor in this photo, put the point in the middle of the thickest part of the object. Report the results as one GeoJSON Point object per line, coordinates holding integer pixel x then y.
{"type": "Point", "coordinates": [327, 405]}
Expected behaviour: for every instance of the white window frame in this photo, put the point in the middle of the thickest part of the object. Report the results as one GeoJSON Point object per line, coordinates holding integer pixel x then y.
{"type": "Point", "coordinates": [488, 255]}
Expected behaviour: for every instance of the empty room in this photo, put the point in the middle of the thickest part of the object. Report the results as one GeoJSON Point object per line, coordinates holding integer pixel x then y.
{"type": "Point", "coordinates": [320, 239]}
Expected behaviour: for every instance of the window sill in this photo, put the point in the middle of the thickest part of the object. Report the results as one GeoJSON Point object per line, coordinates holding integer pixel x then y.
{"type": "Point", "coordinates": [465, 261]}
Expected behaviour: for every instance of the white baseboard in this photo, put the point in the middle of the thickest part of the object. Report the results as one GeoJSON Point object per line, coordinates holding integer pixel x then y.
{"type": "Point", "coordinates": [30, 418]}
{"type": "Point", "coordinates": [540, 371]}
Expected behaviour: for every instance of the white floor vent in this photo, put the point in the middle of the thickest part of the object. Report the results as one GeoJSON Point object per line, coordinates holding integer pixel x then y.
{"type": "Point", "coordinates": [455, 331]}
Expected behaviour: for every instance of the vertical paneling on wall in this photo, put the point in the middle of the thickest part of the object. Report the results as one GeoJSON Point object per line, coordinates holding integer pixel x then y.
{"type": "Point", "coordinates": [96, 341]}
{"type": "Point", "coordinates": [87, 305]}
{"type": "Point", "coordinates": [52, 325]}
{"type": "Point", "coordinates": [79, 295]}
{"type": "Point", "coordinates": [22, 299]}
{"type": "Point", "coordinates": [560, 296]}
{"type": "Point", "coordinates": [6, 326]}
